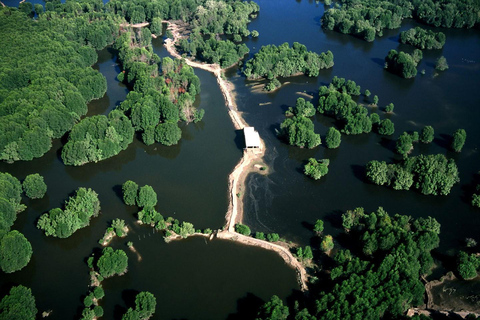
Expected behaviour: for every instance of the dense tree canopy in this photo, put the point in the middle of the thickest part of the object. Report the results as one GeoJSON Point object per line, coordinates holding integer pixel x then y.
{"type": "Point", "coordinates": [441, 64]}
{"type": "Point", "coordinates": [338, 103]}
{"type": "Point", "coordinates": [112, 262]}
{"type": "Point", "coordinates": [427, 134]}
{"type": "Point", "coordinates": [431, 174]}
{"type": "Point", "coordinates": [19, 304]}
{"type": "Point", "coordinates": [34, 186]}
{"type": "Point", "coordinates": [458, 140]}
{"type": "Point", "coordinates": [283, 61]}
{"type": "Point", "coordinates": [147, 197]}
{"type": "Point", "coordinates": [79, 209]}
{"type": "Point", "coordinates": [402, 64]}
{"type": "Point", "coordinates": [15, 252]}
{"type": "Point", "coordinates": [468, 265]}
{"type": "Point", "coordinates": [380, 276]}
{"type": "Point", "coordinates": [368, 18]}
{"type": "Point", "coordinates": [15, 249]}
{"type": "Point", "coordinates": [302, 108]}
{"type": "Point", "coordinates": [299, 131]}
{"type": "Point", "coordinates": [423, 39]}
{"type": "Point", "coordinates": [130, 192]}
{"type": "Point", "coordinates": [316, 169]}
{"type": "Point", "coordinates": [385, 277]}
{"type": "Point", "coordinates": [41, 97]}
{"type": "Point", "coordinates": [243, 229]}
{"type": "Point", "coordinates": [333, 138]}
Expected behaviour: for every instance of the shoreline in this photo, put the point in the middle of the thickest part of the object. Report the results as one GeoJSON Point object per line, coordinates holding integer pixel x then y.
{"type": "Point", "coordinates": [247, 164]}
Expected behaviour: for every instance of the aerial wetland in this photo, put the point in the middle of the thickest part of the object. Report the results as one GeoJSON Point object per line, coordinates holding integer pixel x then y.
{"type": "Point", "coordinates": [296, 229]}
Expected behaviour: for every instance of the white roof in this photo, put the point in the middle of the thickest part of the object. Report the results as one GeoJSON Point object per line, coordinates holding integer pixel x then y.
{"type": "Point", "coordinates": [252, 138]}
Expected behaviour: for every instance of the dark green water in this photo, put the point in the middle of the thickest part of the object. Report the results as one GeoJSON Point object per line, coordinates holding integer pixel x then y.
{"type": "Point", "coordinates": [191, 278]}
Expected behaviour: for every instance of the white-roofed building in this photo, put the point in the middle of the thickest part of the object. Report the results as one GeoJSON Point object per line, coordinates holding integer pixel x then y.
{"type": "Point", "coordinates": [252, 138]}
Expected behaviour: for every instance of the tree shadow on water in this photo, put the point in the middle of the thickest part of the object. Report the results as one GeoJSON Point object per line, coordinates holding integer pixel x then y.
{"type": "Point", "coordinates": [444, 141]}
{"type": "Point", "coordinates": [359, 172]}
{"type": "Point", "coordinates": [335, 219]}
{"type": "Point", "coordinates": [380, 62]}
{"type": "Point", "coordinates": [247, 307]}
{"type": "Point", "coordinates": [129, 297]}
{"type": "Point", "coordinates": [118, 191]}
{"type": "Point", "coordinates": [388, 144]}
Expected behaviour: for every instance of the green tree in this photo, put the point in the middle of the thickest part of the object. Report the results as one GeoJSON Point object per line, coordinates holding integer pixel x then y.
{"type": "Point", "coordinates": [242, 229]}
{"type": "Point", "coordinates": [307, 253]}
{"type": "Point", "coordinates": [98, 310]}
{"type": "Point", "coordinates": [386, 127]}
{"type": "Point", "coordinates": [441, 64]}
{"type": "Point", "coordinates": [145, 304]}
{"type": "Point", "coordinates": [476, 200]}
{"type": "Point", "coordinates": [333, 138]}
{"type": "Point", "coordinates": [15, 252]}
{"type": "Point", "coordinates": [427, 134]}
{"type": "Point", "coordinates": [168, 133]}
{"type": "Point", "coordinates": [147, 197]}
{"type": "Point", "coordinates": [130, 192]}
{"type": "Point", "coordinates": [19, 304]}
{"type": "Point", "coordinates": [299, 131]}
{"type": "Point", "coordinates": [327, 243]}
{"type": "Point", "coordinates": [318, 228]}
{"type": "Point", "coordinates": [98, 292]}
{"type": "Point", "coordinates": [375, 100]}
{"type": "Point", "coordinates": [186, 228]}
{"type": "Point", "coordinates": [458, 140]}
{"type": "Point", "coordinates": [273, 237]}
{"type": "Point", "coordinates": [468, 265]}
{"type": "Point", "coordinates": [389, 107]}
{"type": "Point", "coordinates": [260, 235]}
{"type": "Point", "coordinates": [34, 186]}
{"type": "Point", "coordinates": [79, 209]}
{"type": "Point", "coordinates": [273, 310]}
{"type": "Point", "coordinates": [404, 144]}
{"type": "Point", "coordinates": [367, 93]}
{"type": "Point", "coordinates": [316, 169]}
{"type": "Point", "coordinates": [112, 262]}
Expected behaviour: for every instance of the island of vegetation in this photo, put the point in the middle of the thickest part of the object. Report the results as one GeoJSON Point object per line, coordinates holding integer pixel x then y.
{"type": "Point", "coordinates": [18, 304]}
{"type": "Point", "coordinates": [336, 101]}
{"type": "Point", "coordinates": [429, 174]}
{"type": "Point", "coordinates": [118, 228]}
{"type": "Point", "coordinates": [145, 304]}
{"type": "Point", "coordinates": [316, 169]}
{"type": "Point", "coordinates": [367, 19]}
{"type": "Point", "coordinates": [378, 278]}
{"type": "Point", "coordinates": [92, 308]}
{"type": "Point", "coordinates": [272, 62]}
{"type": "Point", "coordinates": [79, 209]}
{"type": "Point", "coordinates": [423, 39]}
{"type": "Point", "coordinates": [15, 249]}
{"type": "Point", "coordinates": [402, 63]}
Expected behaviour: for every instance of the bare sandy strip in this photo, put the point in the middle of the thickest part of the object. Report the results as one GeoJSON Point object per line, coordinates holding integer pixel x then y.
{"type": "Point", "coordinates": [249, 163]}
{"type": "Point", "coordinates": [137, 25]}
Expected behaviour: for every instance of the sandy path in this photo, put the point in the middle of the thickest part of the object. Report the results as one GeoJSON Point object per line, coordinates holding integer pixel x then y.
{"type": "Point", "coordinates": [138, 25]}
{"type": "Point", "coordinates": [236, 180]}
